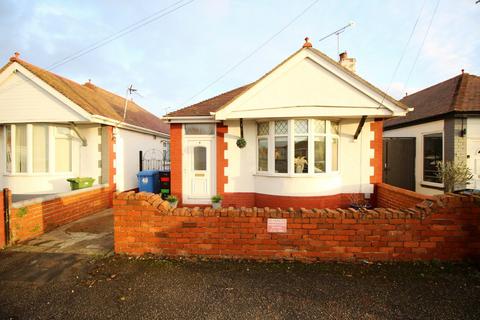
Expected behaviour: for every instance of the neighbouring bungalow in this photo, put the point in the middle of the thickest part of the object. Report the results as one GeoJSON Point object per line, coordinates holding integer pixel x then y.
{"type": "Point", "coordinates": [445, 126]}
{"type": "Point", "coordinates": [52, 128]}
{"type": "Point", "coordinates": [306, 134]}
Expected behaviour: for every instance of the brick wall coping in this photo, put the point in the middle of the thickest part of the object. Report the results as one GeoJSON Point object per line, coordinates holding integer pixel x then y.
{"type": "Point", "coordinates": [149, 201]}
{"type": "Point", "coordinates": [29, 202]}
{"type": "Point", "coordinates": [406, 192]}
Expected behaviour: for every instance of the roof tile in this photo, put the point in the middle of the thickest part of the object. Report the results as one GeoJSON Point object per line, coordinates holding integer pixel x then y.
{"type": "Point", "coordinates": [458, 94]}
{"type": "Point", "coordinates": [96, 100]}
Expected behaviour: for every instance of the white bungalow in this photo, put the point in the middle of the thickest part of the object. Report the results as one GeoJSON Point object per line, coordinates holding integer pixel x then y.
{"type": "Point", "coordinates": [52, 128]}
{"type": "Point", "coordinates": [312, 130]}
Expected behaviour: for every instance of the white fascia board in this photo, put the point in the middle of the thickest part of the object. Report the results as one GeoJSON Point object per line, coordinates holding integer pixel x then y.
{"type": "Point", "coordinates": [123, 125]}
{"type": "Point", "coordinates": [393, 109]}
{"type": "Point", "coordinates": [296, 112]}
{"type": "Point", "coordinates": [16, 67]}
{"type": "Point", "coordinates": [191, 119]}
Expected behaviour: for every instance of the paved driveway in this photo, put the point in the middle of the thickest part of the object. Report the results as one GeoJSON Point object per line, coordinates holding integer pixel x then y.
{"type": "Point", "coordinates": [92, 235]}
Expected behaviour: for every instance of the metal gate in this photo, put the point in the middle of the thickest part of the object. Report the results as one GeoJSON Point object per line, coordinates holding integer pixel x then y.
{"type": "Point", "coordinates": [399, 162]}
{"type": "Point", "coordinates": [154, 159]}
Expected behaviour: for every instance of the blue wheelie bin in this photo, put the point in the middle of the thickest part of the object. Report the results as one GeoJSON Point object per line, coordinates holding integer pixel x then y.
{"type": "Point", "coordinates": [148, 181]}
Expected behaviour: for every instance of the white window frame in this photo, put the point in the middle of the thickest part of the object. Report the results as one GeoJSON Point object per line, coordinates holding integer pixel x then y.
{"type": "Point", "coordinates": [51, 151]}
{"type": "Point", "coordinates": [263, 136]}
{"type": "Point", "coordinates": [271, 151]}
{"type": "Point", "coordinates": [291, 145]}
{"type": "Point", "coordinates": [423, 134]}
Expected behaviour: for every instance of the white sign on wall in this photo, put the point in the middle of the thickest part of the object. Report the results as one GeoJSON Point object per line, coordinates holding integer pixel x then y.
{"type": "Point", "coordinates": [276, 225]}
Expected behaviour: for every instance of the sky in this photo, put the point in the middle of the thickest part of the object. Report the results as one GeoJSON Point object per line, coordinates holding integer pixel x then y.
{"type": "Point", "coordinates": [171, 60]}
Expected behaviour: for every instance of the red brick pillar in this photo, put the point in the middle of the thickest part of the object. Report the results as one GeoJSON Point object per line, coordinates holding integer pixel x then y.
{"type": "Point", "coordinates": [176, 160]}
{"type": "Point", "coordinates": [222, 163]}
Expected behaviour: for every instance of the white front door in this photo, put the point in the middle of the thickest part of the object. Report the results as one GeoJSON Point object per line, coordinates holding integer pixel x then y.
{"type": "Point", "coordinates": [199, 169]}
{"type": "Point", "coordinates": [474, 163]}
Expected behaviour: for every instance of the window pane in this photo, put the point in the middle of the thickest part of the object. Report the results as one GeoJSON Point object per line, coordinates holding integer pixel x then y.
{"type": "Point", "coordinates": [8, 154]}
{"type": "Point", "coordinates": [281, 154]}
{"type": "Point", "coordinates": [432, 153]}
{"type": "Point", "coordinates": [199, 158]}
{"type": "Point", "coordinates": [40, 148]}
{"type": "Point", "coordinates": [334, 154]}
{"type": "Point", "coordinates": [21, 148]}
{"type": "Point", "coordinates": [281, 127]}
{"type": "Point", "coordinates": [166, 151]}
{"type": "Point", "coordinates": [334, 127]}
{"type": "Point", "coordinates": [262, 154]}
{"type": "Point", "coordinates": [301, 155]}
{"type": "Point", "coordinates": [262, 128]}
{"type": "Point", "coordinates": [199, 128]}
{"type": "Point", "coordinates": [319, 147]}
{"type": "Point", "coordinates": [63, 150]}
{"type": "Point", "coordinates": [319, 126]}
{"type": "Point", "coordinates": [301, 126]}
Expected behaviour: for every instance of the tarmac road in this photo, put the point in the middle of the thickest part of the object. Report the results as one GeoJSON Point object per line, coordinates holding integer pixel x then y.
{"type": "Point", "coordinates": [67, 286]}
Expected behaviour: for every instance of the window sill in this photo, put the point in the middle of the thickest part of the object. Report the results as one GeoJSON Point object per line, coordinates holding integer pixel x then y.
{"type": "Point", "coordinates": [298, 175]}
{"type": "Point", "coordinates": [432, 185]}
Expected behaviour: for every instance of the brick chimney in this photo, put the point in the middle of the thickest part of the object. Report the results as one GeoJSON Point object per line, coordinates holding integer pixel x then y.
{"type": "Point", "coordinates": [347, 62]}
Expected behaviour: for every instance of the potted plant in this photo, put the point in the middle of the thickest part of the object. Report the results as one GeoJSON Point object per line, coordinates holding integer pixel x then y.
{"type": "Point", "coordinates": [454, 175]}
{"type": "Point", "coordinates": [300, 163]}
{"type": "Point", "coordinates": [217, 201]}
{"type": "Point", "coordinates": [173, 201]}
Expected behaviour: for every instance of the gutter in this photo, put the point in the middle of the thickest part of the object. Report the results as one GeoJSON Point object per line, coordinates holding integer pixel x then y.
{"type": "Point", "coordinates": [190, 119]}
{"type": "Point", "coordinates": [108, 121]}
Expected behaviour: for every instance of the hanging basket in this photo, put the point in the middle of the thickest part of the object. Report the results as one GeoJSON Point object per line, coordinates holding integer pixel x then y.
{"type": "Point", "coordinates": [241, 143]}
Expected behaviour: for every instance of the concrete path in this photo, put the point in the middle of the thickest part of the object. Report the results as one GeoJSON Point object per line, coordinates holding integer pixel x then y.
{"type": "Point", "coordinates": [92, 235]}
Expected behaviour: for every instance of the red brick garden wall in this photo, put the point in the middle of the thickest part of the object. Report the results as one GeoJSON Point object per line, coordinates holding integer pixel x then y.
{"type": "Point", "coordinates": [447, 229]}
{"type": "Point", "coordinates": [388, 196]}
{"type": "Point", "coordinates": [32, 220]}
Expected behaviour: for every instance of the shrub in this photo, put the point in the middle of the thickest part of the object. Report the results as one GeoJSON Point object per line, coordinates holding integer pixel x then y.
{"type": "Point", "coordinates": [453, 174]}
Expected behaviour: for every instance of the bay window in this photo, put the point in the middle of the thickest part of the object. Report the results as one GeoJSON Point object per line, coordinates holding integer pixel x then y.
{"type": "Point", "coordinates": [37, 148]}
{"type": "Point", "coordinates": [296, 147]}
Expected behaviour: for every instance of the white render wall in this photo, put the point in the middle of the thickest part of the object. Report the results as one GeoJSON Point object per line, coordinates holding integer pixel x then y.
{"type": "Point", "coordinates": [354, 165]}
{"type": "Point", "coordinates": [418, 131]}
{"type": "Point", "coordinates": [84, 164]}
{"type": "Point", "coordinates": [21, 100]}
{"type": "Point", "coordinates": [473, 145]}
{"type": "Point", "coordinates": [127, 146]}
